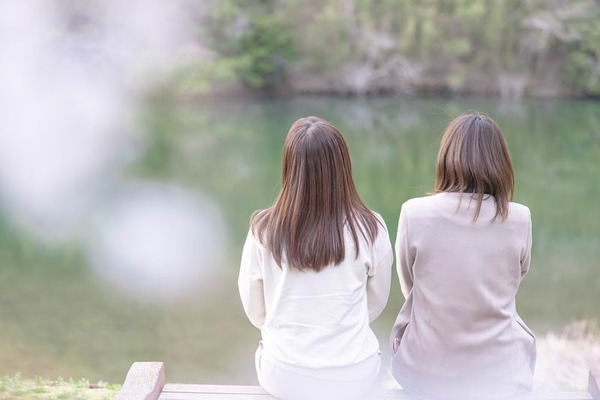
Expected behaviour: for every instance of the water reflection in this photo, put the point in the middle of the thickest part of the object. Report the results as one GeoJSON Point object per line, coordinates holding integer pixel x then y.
{"type": "Point", "coordinates": [230, 151]}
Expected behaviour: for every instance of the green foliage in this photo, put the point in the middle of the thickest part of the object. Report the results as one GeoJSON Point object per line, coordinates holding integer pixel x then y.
{"type": "Point", "coordinates": [583, 63]}
{"type": "Point", "coordinates": [266, 49]}
{"type": "Point", "coordinates": [251, 41]}
{"type": "Point", "coordinates": [451, 43]}
{"type": "Point", "coordinates": [16, 388]}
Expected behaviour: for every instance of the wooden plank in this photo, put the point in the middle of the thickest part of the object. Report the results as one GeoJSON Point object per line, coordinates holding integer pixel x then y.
{"type": "Point", "coordinates": [232, 389]}
{"type": "Point", "coordinates": [398, 396]}
{"type": "Point", "coordinates": [213, 392]}
{"type": "Point", "coordinates": [144, 381]}
{"type": "Point", "coordinates": [236, 392]}
{"type": "Point", "coordinates": [213, 396]}
{"type": "Point", "coordinates": [554, 396]}
{"type": "Point", "coordinates": [222, 392]}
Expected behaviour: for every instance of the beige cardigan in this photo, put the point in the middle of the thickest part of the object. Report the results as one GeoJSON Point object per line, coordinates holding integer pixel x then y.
{"type": "Point", "coordinates": [459, 331]}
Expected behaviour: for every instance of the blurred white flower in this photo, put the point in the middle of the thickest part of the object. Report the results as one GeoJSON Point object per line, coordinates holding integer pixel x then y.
{"type": "Point", "coordinates": [158, 243]}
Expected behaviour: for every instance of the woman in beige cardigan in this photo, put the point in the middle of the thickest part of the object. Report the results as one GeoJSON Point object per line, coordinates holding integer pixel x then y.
{"type": "Point", "coordinates": [461, 254]}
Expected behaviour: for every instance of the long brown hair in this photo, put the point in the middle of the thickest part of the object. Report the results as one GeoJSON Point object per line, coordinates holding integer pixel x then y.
{"type": "Point", "coordinates": [317, 198]}
{"type": "Point", "coordinates": [473, 157]}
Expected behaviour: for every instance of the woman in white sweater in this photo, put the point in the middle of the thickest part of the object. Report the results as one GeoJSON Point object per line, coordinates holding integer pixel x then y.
{"type": "Point", "coordinates": [461, 254]}
{"type": "Point", "coordinates": [315, 271]}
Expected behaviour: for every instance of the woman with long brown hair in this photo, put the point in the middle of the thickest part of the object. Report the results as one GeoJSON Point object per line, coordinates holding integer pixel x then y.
{"type": "Point", "coordinates": [315, 271]}
{"type": "Point", "coordinates": [461, 254]}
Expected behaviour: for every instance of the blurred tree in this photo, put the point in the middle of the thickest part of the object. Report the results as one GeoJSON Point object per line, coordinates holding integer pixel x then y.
{"type": "Point", "coordinates": [506, 47]}
{"type": "Point", "coordinates": [583, 63]}
{"type": "Point", "coordinates": [252, 40]}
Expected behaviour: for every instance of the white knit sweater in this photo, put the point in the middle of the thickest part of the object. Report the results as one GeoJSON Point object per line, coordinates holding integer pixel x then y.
{"type": "Point", "coordinates": [317, 319]}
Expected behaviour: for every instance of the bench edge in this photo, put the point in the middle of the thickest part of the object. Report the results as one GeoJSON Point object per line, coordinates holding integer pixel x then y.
{"type": "Point", "coordinates": [144, 381]}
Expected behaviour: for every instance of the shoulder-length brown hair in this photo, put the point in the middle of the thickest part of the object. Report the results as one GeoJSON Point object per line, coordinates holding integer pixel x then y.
{"type": "Point", "coordinates": [317, 198]}
{"type": "Point", "coordinates": [474, 158]}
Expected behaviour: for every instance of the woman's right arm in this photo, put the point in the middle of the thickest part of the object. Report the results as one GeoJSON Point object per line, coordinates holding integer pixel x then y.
{"type": "Point", "coordinates": [250, 282]}
{"type": "Point", "coordinates": [404, 258]}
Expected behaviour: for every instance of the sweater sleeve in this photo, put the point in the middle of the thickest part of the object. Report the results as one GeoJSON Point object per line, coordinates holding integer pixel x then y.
{"type": "Point", "coordinates": [380, 274]}
{"type": "Point", "coordinates": [250, 282]}
{"type": "Point", "coordinates": [404, 258]}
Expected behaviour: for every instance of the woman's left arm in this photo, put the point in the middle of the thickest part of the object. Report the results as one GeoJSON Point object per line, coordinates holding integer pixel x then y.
{"type": "Point", "coordinates": [380, 274]}
{"type": "Point", "coordinates": [526, 257]}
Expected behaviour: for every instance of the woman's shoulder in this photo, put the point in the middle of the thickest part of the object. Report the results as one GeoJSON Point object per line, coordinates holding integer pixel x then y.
{"type": "Point", "coordinates": [419, 204]}
{"type": "Point", "coordinates": [519, 211]}
{"type": "Point", "coordinates": [256, 232]}
{"type": "Point", "coordinates": [417, 201]}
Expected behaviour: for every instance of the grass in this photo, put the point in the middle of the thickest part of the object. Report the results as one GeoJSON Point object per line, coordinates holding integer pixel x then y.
{"type": "Point", "coordinates": [17, 388]}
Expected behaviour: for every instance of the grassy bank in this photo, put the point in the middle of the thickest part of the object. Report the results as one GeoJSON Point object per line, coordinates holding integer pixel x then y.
{"type": "Point", "coordinates": [16, 388]}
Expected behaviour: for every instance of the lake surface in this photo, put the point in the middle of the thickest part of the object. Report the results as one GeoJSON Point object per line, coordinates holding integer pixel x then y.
{"type": "Point", "coordinates": [60, 318]}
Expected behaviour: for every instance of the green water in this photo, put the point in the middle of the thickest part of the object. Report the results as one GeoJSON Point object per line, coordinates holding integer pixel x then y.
{"type": "Point", "coordinates": [58, 319]}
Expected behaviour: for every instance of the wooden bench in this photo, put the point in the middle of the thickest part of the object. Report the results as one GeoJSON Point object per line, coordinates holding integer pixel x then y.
{"type": "Point", "coordinates": [146, 381]}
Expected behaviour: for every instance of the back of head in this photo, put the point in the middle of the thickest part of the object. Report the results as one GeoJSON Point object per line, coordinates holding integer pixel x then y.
{"type": "Point", "coordinates": [317, 197]}
{"type": "Point", "coordinates": [473, 157]}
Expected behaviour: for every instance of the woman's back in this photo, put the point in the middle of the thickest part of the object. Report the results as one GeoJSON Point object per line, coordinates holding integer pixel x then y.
{"type": "Point", "coordinates": [451, 252]}
{"type": "Point", "coordinates": [321, 319]}
{"type": "Point", "coordinates": [460, 329]}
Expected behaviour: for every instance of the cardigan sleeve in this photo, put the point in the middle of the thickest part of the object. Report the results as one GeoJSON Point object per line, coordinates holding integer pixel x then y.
{"type": "Point", "coordinates": [526, 257]}
{"type": "Point", "coordinates": [404, 257]}
{"type": "Point", "coordinates": [380, 274]}
{"type": "Point", "coordinates": [250, 282]}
